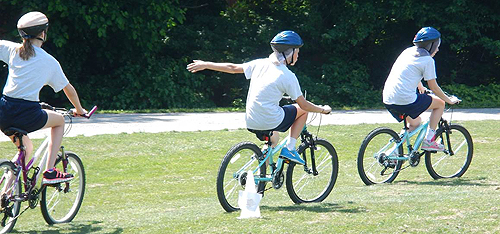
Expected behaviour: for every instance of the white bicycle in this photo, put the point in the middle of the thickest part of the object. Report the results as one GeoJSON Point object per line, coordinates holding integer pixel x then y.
{"type": "Point", "coordinates": [19, 181]}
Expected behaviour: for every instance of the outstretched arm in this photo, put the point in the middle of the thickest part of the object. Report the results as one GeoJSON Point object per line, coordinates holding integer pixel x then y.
{"type": "Point", "coordinates": [199, 65]}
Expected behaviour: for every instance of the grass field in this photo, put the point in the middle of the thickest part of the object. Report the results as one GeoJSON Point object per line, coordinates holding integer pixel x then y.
{"type": "Point", "coordinates": [165, 183]}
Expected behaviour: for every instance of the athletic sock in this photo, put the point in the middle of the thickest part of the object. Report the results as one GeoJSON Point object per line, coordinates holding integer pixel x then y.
{"type": "Point", "coordinates": [291, 143]}
{"type": "Point", "coordinates": [430, 134]}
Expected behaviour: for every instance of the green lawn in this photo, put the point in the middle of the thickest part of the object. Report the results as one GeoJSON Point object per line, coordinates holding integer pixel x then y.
{"type": "Point", "coordinates": [165, 183]}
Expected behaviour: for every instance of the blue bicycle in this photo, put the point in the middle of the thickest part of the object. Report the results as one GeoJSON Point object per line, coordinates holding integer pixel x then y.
{"type": "Point", "coordinates": [311, 182]}
{"type": "Point", "coordinates": [382, 153]}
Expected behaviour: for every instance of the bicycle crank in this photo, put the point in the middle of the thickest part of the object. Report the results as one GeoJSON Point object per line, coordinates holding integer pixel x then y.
{"type": "Point", "coordinates": [278, 179]}
{"type": "Point", "coordinates": [33, 198]}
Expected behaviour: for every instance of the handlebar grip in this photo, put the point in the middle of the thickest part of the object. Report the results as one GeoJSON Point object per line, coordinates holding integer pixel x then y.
{"type": "Point", "coordinates": [90, 113]}
{"type": "Point", "coordinates": [455, 99]}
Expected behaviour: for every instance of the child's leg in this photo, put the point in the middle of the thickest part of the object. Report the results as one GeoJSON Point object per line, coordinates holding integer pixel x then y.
{"type": "Point", "coordinates": [437, 107]}
{"type": "Point", "coordinates": [275, 138]}
{"type": "Point", "coordinates": [28, 145]}
{"type": "Point", "coordinates": [56, 122]}
{"type": "Point", "coordinates": [413, 123]}
{"type": "Point", "coordinates": [297, 126]}
{"type": "Point", "coordinates": [28, 150]}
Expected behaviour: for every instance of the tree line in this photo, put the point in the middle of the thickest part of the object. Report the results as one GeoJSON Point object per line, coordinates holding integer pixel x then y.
{"type": "Point", "coordinates": [132, 54]}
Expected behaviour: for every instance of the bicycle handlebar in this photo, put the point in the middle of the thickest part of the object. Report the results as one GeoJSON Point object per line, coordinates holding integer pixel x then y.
{"type": "Point", "coordinates": [70, 112]}
{"type": "Point", "coordinates": [453, 98]}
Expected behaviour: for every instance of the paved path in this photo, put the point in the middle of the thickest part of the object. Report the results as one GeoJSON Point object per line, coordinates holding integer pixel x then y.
{"type": "Point", "coordinates": [129, 123]}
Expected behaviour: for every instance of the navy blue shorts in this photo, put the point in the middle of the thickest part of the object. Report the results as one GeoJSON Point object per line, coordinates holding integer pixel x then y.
{"type": "Point", "coordinates": [413, 110]}
{"type": "Point", "coordinates": [22, 114]}
{"type": "Point", "coordinates": [290, 114]}
{"type": "Point", "coordinates": [286, 123]}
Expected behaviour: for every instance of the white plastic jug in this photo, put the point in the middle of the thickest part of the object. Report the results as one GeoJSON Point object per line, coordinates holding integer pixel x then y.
{"type": "Point", "coordinates": [249, 199]}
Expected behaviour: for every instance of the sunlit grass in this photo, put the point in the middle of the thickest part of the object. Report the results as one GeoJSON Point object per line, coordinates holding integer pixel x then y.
{"type": "Point", "coordinates": [165, 183]}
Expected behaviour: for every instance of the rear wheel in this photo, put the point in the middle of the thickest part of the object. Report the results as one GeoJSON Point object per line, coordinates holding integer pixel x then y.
{"type": "Point", "coordinates": [448, 165]}
{"type": "Point", "coordinates": [302, 184]}
{"type": "Point", "coordinates": [60, 202]}
{"type": "Point", "coordinates": [373, 167]}
{"type": "Point", "coordinates": [9, 196]}
{"type": "Point", "coordinates": [233, 172]}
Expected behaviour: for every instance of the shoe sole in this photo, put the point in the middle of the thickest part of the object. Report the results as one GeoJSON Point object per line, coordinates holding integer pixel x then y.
{"type": "Point", "coordinates": [55, 181]}
{"type": "Point", "coordinates": [291, 160]}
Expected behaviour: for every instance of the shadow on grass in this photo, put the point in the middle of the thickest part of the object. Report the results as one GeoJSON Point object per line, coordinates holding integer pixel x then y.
{"type": "Point", "coordinates": [319, 208]}
{"type": "Point", "coordinates": [74, 228]}
{"type": "Point", "coordinates": [481, 181]}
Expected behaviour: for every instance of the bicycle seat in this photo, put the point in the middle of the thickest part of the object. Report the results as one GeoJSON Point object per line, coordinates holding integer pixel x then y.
{"type": "Point", "coordinates": [263, 135]}
{"type": "Point", "coordinates": [12, 130]}
{"type": "Point", "coordinates": [398, 115]}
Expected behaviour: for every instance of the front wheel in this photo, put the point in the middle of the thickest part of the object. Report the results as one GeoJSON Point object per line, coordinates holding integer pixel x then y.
{"type": "Point", "coordinates": [303, 184]}
{"type": "Point", "coordinates": [9, 196]}
{"type": "Point", "coordinates": [233, 172]}
{"type": "Point", "coordinates": [60, 202]}
{"type": "Point", "coordinates": [373, 165]}
{"type": "Point", "coordinates": [454, 163]}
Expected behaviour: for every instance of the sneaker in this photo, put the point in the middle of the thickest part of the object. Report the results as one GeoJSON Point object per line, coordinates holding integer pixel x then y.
{"type": "Point", "coordinates": [292, 155]}
{"type": "Point", "coordinates": [53, 176]}
{"type": "Point", "coordinates": [432, 146]}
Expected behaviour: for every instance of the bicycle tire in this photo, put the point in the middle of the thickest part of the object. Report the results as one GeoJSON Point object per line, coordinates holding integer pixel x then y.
{"type": "Point", "coordinates": [305, 187]}
{"type": "Point", "coordinates": [8, 170]}
{"type": "Point", "coordinates": [442, 165]}
{"type": "Point", "coordinates": [61, 202]}
{"type": "Point", "coordinates": [368, 156]}
{"type": "Point", "coordinates": [231, 175]}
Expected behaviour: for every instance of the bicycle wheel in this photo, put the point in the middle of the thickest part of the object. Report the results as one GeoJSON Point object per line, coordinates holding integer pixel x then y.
{"type": "Point", "coordinates": [301, 183]}
{"type": "Point", "coordinates": [9, 196]}
{"type": "Point", "coordinates": [233, 173]}
{"type": "Point", "coordinates": [373, 168]}
{"type": "Point", "coordinates": [60, 202]}
{"type": "Point", "coordinates": [443, 164]}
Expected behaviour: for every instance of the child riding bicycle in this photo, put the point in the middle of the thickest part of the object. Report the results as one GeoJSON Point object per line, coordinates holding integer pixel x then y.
{"type": "Point", "coordinates": [31, 68]}
{"type": "Point", "coordinates": [270, 78]}
{"type": "Point", "coordinates": [404, 92]}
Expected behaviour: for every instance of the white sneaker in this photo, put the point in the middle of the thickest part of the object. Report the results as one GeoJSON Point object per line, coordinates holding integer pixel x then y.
{"type": "Point", "coordinates": [432, 146]}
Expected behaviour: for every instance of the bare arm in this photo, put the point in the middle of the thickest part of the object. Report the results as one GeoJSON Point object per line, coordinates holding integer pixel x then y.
{"type": "Point", "coordinates": [72, 95]}
{"type": "Point", "coordinates": [199, 65]}
{"type": "Point", "coordinates": [438, 92]}
{"type": "Point", "coordinates": [311, 107]}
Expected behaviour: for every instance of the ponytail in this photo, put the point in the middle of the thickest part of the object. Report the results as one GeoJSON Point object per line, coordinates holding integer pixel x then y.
{"type": "Point", "coordinates": [26, 51]}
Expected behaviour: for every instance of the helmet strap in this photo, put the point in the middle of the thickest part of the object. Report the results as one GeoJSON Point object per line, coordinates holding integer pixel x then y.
{"type": "Point", "coordinates": [284, 56]}
{"type": "Point", "coordinates": [430, 48]}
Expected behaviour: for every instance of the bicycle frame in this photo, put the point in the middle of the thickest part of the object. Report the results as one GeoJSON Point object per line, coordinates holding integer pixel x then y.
{"type": "Point", "coordinates": [421, 130]}
{"type": "Point", "coordinates": [268, 153]}
{"type": "Point", "coordinates": [22, 166]}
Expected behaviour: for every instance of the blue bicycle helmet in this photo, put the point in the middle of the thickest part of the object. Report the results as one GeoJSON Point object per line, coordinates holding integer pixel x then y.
{"type": "Point", "coordinates": [428, 38]}
{"type": "Point", "coordinates": [286, 40]}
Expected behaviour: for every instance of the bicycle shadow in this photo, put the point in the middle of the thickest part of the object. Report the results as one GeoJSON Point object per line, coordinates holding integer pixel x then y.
{"type": "Point", "coordinates": [318, 208]}
{"type": "Point", "coordinates": [76, 228]}
{"type": "Point", "coordinates": [482, 181]}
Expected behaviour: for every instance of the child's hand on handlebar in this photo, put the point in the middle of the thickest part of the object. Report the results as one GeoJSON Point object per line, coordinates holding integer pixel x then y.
{"type": "Point", "coordinates": [78, 113]}
{"type": "Point", "coordinates": [326, 109]}
{"type": "Point", "coordinates": [454, 99]}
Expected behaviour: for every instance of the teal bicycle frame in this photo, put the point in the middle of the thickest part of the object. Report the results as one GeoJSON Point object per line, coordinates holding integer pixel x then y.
{"type": "Point", "coordinates": [405, 137]}
{"type": "Point", "coordinates": [269, 152]}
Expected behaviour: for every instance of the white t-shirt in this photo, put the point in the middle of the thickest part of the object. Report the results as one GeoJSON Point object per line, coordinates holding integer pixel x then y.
{"type": "Point", "coordinates": [268, 83]}
{"type": "Point", "coordinates": [27, 78]}
{"type": "Point", "coordinates": [406, 73]}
